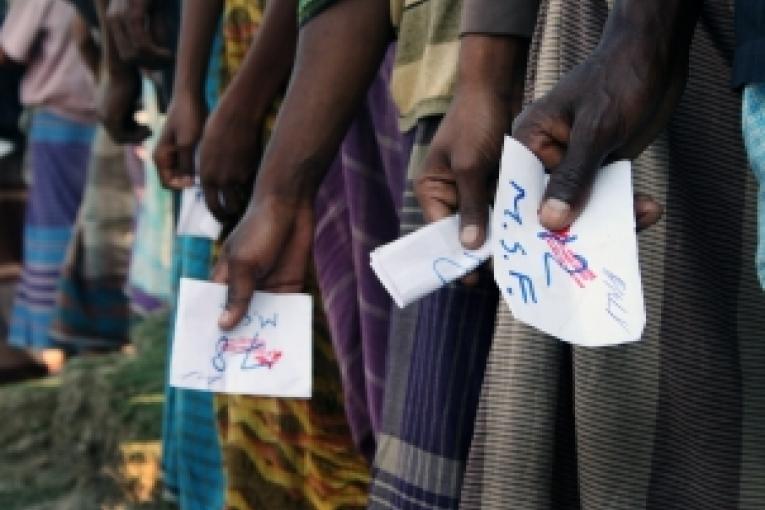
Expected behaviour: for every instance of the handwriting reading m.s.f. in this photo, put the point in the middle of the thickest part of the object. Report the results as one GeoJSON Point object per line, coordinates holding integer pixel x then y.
{"type": "Point", "coordinates": [515, 212]}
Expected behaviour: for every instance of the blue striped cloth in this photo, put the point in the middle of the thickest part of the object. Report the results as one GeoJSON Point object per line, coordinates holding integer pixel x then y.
{"type": "Point", "coordinates": [192, 461]}
{"type": "Point", "coordinates": [753, 122]}
{"type": "Point", "coordinates": [59, 151]}
{"type": "Point", "coordinates": [192, 464]}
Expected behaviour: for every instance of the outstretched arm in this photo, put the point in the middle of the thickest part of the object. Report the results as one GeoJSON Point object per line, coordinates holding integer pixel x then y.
{"type": "Point", "coordinates": [338, 54]}
{"type": "Point", "coordinates": [187, 113]}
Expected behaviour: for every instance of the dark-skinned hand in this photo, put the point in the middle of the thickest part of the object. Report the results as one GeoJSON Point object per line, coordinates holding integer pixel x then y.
{"type": "Point", "coordinates": [269, 250]}
{"type": "Point", "coordinates": [174, 154]}
{"type": "Point", "coordinates": [229, 155]}
{"type": "Point", "coordinates": [462, 163]}
{"type": "Point", "coordinates": [461, 168]}
{"type": "Point", "coordinates": [610, 107]}
{"type": "Point", "coordinates": [118, 97]}
{"type": "Point", "coordinates": [139, 30]}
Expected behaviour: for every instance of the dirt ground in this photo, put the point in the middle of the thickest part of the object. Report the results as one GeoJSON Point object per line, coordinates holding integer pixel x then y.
{"type": "Point", "coordinates": [90, 438]}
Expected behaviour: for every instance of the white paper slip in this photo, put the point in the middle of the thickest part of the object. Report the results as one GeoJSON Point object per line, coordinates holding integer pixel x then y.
{"type": "Point", "coordinates": [268, 354]}
{"type": "Point", "coordinates": [582, 285]}
{"type": "Point", "coordinates": [195, 219]}
{"type": "Point", "coordinates": [417, 264]}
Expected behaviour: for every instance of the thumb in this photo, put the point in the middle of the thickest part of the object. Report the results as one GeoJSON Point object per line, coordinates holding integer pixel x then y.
{"type": "Point", "coordinates": [241, 287]}
{"type": "Point", "coordinates": [165, 158]}
{"type": "Point", "coordinates": [473, 192]}
{"type": "Point", "coordinates": [572, 180]}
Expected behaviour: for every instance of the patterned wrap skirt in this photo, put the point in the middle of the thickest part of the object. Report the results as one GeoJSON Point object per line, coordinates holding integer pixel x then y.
{"type": "Point", "coordinates": [676, 421]}
{"type": "Point", "coordinates": [58, 152]}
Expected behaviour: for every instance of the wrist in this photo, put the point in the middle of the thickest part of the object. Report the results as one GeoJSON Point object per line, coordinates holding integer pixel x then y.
{"type": "Point", "coordinates": [494, 66]}
{"type": "Point", "coordinates": [240, 111]}
{"type": "Point", "coordinates": [659, 29]}
{"type": "Point", "coordinates": [291, 180]}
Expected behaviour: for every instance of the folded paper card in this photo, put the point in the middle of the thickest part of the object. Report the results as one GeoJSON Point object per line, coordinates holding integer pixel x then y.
{"type": "Point", "coordinates": [423, 261]}
{"type": "Point", "coordinates": [195, 219]}
{"type": "Point", "coordinates": [581, 285]}
{"type": "Point", "coordinates": [268, 354]}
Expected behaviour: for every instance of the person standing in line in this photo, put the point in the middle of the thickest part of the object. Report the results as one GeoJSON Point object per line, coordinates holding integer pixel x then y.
{"type": "Point", "coordinates": [677, 420]}
{"type": "Point", "coordinates": [277, 453]}
{"type": "Point", "coordinates": [61, 89]}
{"type": "Point", "coordinates": [270, 248]}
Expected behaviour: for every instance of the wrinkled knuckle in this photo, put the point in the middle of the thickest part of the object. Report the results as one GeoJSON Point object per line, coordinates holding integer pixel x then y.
{"type": "Point", "coordinates": [422, 181]}
{"type": "Point", "coordinates": [536, 143]}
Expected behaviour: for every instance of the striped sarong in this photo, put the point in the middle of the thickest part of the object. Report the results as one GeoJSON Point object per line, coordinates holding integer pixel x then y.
{"type": "Point", "coordinates": [192, 464]}
{"type": "Point", "coordinates": [436, 356]}
{"type": "Point", "coordinates": [150, 280]}
{"type": "Point", "coordinates": [437, 348]}
{"type": "Point", "coordinates": [357, 211]}
{"type": "Point", "coordinates": [59, 151]}
{"type": "Point", "coordinates": [92, 307]}
{"type": "Point", "coordinates": [676, 421]}
{"type": "Point", "coordinates": [287, 453]}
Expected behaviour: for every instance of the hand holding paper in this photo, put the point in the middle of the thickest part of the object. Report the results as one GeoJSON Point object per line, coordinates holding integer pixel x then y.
{"type": "Point", "coordinates": [581, 285]}
{"type": "Point", "coordinates": [418, 264]}
{"type": "Point", "coordinates": [268, 354]}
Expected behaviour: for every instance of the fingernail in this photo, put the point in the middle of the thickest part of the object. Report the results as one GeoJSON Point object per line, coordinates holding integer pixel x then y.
{"type": "Point", "coordinates": [555, 212]}
{"type": "Point", "coordinates": [469, 234]}
{"type": "Point", "coordinates": [225, 318]}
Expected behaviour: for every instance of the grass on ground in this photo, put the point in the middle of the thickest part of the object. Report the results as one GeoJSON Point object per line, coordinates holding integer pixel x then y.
{"type": "Point", "coordinates": [88, 439]}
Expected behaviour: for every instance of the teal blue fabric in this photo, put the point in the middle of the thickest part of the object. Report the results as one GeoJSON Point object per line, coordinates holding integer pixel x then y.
{"type": "Point", "coordinates": [192, 462]}
{"type": "Point", "coordinates": [754, 137]}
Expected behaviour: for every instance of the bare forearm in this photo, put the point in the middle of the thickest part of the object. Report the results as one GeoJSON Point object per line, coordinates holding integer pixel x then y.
{"type": "Point", "coordinates": [268, 63]}
{"type": "Point", "coordinates": [199, 21]}
{"type": "Point", "coordinates": [664, 27]}
{"type": "Point", "coordinates": [115, 66]}
{"type": "Point", "coordinates": [496, 64]}
{"type": "Point", "coordinates": [338, 54]}
{"type": "Point", "coordinates": [89, 49]}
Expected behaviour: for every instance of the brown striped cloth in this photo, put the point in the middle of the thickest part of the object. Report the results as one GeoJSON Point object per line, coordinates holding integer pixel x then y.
{"type": "Point", "coordinates": [437, 347]}
{"type": "Point", "coordinates": [676, 421]}
{"type": "Point", "coordinates": [92, 306]}
{"type": "Point", "coordinates": [356, 211]}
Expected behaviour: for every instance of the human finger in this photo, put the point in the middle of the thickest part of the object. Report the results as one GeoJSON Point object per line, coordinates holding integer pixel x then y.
{"type": "Point", "coordinates": [569, 183]}
{"type": "Point", "coordinates": [648, 211]}
{"type": "Point", "coordinates": [213, 201]}
{"type": "Point", "coordinates": [473, 195]}
{"type": "Point", "coordinates": [437, 197]}
{"type": "Point", "coordinates": [183, 177]}
{"type": "Point", "coordinates": [241, 287]}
